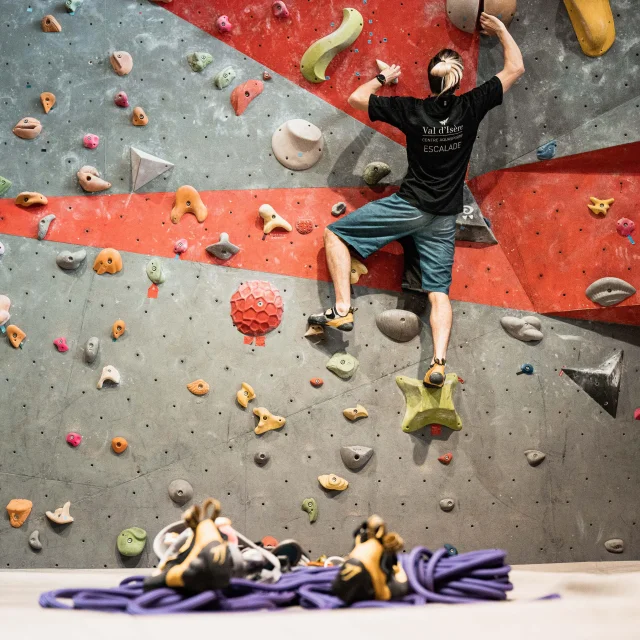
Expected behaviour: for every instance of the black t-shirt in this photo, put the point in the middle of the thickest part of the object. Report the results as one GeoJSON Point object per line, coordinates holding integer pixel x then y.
{"type": "Point", "coordinates": [440, 135]}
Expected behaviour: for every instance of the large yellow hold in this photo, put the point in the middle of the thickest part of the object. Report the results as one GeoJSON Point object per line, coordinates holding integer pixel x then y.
{"type": "Point", "coordinates": [592, 21]}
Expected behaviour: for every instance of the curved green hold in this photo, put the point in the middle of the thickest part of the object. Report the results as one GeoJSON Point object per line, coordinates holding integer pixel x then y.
{"type": "Point", "coordinates": [199, 60]}
{"type": "Point", "coordinates": [317, 57]}
{"type": "Point", "coordinates": [429, 406]}
{"type": "Point", "coordinates": [131, 541]}
{"type": "Point", "coordinates": [224, 78]}
{"type": "Point", "coordinates": [311, 507]}
{"type": "Point", "coordinates": [155, 272]}
{"type": "Point", "coordinates": [5, 185]}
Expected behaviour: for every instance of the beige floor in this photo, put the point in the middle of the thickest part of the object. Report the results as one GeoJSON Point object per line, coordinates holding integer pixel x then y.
{"type": "Point", "coordinates": [600, 600]}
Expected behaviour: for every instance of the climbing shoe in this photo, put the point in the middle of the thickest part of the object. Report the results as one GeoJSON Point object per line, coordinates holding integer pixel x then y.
{"type": "Point", "coordinates": [435, 376]}
{"type": "Point", "coordinates": [331, 318]}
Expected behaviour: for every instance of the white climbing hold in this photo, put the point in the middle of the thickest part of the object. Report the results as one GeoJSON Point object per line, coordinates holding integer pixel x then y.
{"type": "Point", "coordinates": [61, 515]}
{"type": "Point", "coordinates": [109, 373]}
{"type": "Point", "coordinates": [145, 167]}
{"type": "Point", "coordinates": [272, 219]}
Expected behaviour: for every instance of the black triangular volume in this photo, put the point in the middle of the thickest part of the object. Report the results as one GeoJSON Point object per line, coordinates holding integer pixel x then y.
{"type": "Point", "coordinates": [471, 225]}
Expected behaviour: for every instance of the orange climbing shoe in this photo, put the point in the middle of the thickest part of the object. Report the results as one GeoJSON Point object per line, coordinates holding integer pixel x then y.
{"type": "Point", "coordinates": [331, 318]}
{"type": "Point", "coordinates": [435, 376]}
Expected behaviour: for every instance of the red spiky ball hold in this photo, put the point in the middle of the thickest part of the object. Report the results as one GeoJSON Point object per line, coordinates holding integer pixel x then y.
{"type": "Point", "coordinates": [256, 308]}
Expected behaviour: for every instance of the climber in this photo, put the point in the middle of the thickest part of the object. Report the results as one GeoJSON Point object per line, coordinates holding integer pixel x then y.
{"type": "Point", "coordinates": [440, 132]}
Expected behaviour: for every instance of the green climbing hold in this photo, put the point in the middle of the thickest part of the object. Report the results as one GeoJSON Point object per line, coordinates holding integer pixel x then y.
{"type": "Point", "coordinates": [375, 171]}
{"type": "Point", "coordinates": [154, 271]}
{"type": "Point", "coordinates": [5, 185]}
{"type": "Point", "coordinates": [343, 365]}
{"type": "Point", "coordinates": [311, 507]}
{"type": "Point", "coordinates": [429, 406]}
{"type": "Point", "coordinates": [72, 5]}
{"type": "Point", "coordinates": [224, 77]}
{"type": "Point", "coordinates": [199, 60]}
{"type": "Point", "coordinates": [131, 541]}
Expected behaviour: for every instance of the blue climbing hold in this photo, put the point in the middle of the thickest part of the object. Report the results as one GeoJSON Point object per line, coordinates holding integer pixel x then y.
{"type": "Point", "coordinates": [547, 151]}
{"type": "Point", "coordinates": [526, 368]}
{"type": "Point", "coordinates": [451, 550]}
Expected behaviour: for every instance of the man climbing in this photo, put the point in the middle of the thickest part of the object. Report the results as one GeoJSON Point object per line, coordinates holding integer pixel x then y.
{"type": "Point", "coordinates": [440, 132]}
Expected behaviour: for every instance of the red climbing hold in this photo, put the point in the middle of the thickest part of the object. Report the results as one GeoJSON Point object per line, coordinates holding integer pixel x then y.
{"type": "Point", "coordinates": [636, 414]}
{"type": "Point", "coordinates": [446, 458]}
{"type": "Point", "coordinates": [223, 24]}
{"type": "Point", "coordinates": [316, 382]}
{"type": "Point", "coordinates": [61, 345]}
{"type": "Point", "coordinates": [304, 225]}
{"type": "Point", "coordinates": [625, 227]}
{"type": "Point", "coordinates": [74, 438]}
{"type": "Point", "coordinates": [256, 308]}
{"type": "Point", "coordinates": [244, 93]}
{"type": "Point", "coordinates": [152, 291]}
{"type": "Point", "coordinates": [269, 541]}
{"type": "Point", "coordinates": [436, 430]}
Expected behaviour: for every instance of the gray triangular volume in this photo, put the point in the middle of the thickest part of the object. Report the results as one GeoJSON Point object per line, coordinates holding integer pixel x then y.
{"type": "Point", "coordinates": [470, 223]}
{"type": "Point", "coordinates": [601, 383]}
{"type": "Point", "coordinates": [145, 167]}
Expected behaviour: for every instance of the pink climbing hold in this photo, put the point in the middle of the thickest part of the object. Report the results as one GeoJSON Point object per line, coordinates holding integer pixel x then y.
{"type": "Point", "coordinates": [636, 414]}
{"type": "Point", "coordinates": [121, 99]}
{"type": "Point", "coordinates": [223, 24]}
{"type": "Point", "coordinates": [74, 438]}
{"type": "Point", "coordinates": [279, 9]}
{"type": "Point", "coordinates": [61, 345]}
{"type": "Point", "coordinates": [625, 227]}
{"type": "Point", "coordinates": [180, 246]}
{"type": "Point", "coordinates": [91, 141]}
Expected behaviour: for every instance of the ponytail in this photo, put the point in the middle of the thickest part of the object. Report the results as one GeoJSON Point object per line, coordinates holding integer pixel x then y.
{"type": "Point", "coordinates": [445, 72]}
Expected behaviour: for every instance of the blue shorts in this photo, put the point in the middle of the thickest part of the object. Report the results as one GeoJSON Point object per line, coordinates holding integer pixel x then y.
{"type": "Point", "coordinates": [380, 222]}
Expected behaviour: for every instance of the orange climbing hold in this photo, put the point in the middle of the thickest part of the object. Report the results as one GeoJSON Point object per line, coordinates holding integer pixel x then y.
{"type": "Point", "coordinates": [30, 198]}
{"type": "Point", "coordinates": [188, 200]}
{"type": "Point", "coordinates": [19, 510]}
{"type": "Point", "coordinates": [48, 101]}
{"type": "Point", "coordinates": [118, 328]}
{"type": "Point", "coordinates": [198, 387]}
{"type": "Point", "coordinates": [15, 335]}
{"type": "Point", "coordinates": [244, 93]}
{"type": "Point", "coordinates": [108, 261]}
{"type": "Point", "coordinates": [50, 25]}
{"type": "Point", "coordinates": [245, 395]}
{"type": "Point", "coordinates": [139, 117]}
{"type": "Point", "coordinates": [119, 445]}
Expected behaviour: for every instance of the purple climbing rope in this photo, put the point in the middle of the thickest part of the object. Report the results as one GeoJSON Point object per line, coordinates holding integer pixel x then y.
{"type": "Point", "coordinates": [433, 577]}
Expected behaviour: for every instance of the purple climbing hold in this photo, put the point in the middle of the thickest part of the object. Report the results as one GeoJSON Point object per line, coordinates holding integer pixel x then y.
{"type": "Point", "coordinates": [121, 99]}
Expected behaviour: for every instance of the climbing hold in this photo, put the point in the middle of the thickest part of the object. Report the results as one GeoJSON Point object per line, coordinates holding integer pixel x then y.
{"type": "Point", "coordinates": [188, 200]}
{"type": "Point", "coordinates": [61, 344]}
{"type": "Point", "coordinates": [245, 395]}
{"type": "Point", "coordinates": [198, 387]}
{"type": "Point", "coordinates": [297, 144]}
{"type": "Point", "coordinates": [145, 167]}
{"type": "Point", "coordinates": [601, 383]}
{"type": "Point", "coordinates": [1, 254]}
{"type": "Point", "coordinates": [268, 542]}
{"type": "Point", "coordinates": [534, 457]}
{"type": "Point", "coordinates": [30, 199]}
{"type": "Point", "coordinates": [609, 291]}
{"type": "Point", "coordinates": [280, 10]}
{"type": "Point", "coordinates": [180, 246]}
{"type": "Point", "coordinates": [109, 373]}
{"type": "Point", "coordinates": [180, 491]}
{"type": "Point", "coordinates": [223, 249]}
{"type": "Point", "coordinates": [382, 66]}
{"type": "Point", "coordinates": [131, 541]}
{"type": "Point", "coordinates": [139, 117]}
{"type": "Point", "coordinates": [600, 207]}
{"type": "Point", "coordinates": [375, 171]}
{"type": "Point", "coordinates": [547, 150]}
{"type": "Point", "coordinates": [451, 550]}
{"type": "Point", "coordinates": [256, 308]}
{"type": "Point", "coordinates": [317, 57]}
{"type": "Point", "coordinates": [636, 414]}
{"type": "Point", "coordinates": [199, 60]}
{"type": "Point", "coordinates": [272, 219]}
{"type": "Point", "coordinates": [19, 510]}
{"type": "Point", "coordinates": [447, 504]}
{"type": "Point", "coordinates": [526, 369]}
{"type": "Point", "coordinates": [121, 99]}
{"type": "Point", "coordinates": [315, 330]}
{"type": "Point", "coordinates": [429, 406]}
{"type": "Point", "coordinates": [91, 141]}
{"type": "Point", "coordinates": [316, 382]}
{"type": "Point", "coordinates": [224, 78]}
{"type": "Point", "coordinates": [223, 24]}
{"type": "Point", "coordinates": [343, 364]}
{"type": "Point", "coordinates": [338, 209]}
{"type": "Point", "coordinates": [615, 545]}
{"type": "Point", "coordinates": [16, 335]}
{"type": "Point", "coordinates": [71, 260]}
{"type": "Point", "coordinates": [5, 305]}
{"type": "Point", "coordinates": [118, 328]}
{"type": "Point", "coordinates": [266, 75]}
{"type": "Point", "coordinates": [72, 5]}
{"type": "Point", "coordinates": [48, 101]}
{"type": "Point", "coordinates": [50, 25]}
{"type": "Point", "coordinates": [155, 271]}
{"type": "Point", "coordinates": [261, 458]}
{"type": "Point", "coordinates": [464, 14]}
{"type": "Point", "coordinates": [108, 261]}
{"type": "Point", "coordinates": [60, 515]}
{"type": "Point", "coordinates": [593, 23]}
{"type": "Point", "coordinates": [399, 325]}
{"type": "Point", "coordinates": [267, 421]}
{"type": "Point", "coordinates": [355, 457]}
{"type": "Point", "coordinates": [245, 93]}
{"type": "Point", "coordinates": [625, 227]}
{"type": "Point", "coordinates": [91, 349]}
{"type": "Point", "coordinates": [122, 62]}
{"type": "Point", "coordinates": [34, 540]}
{"type": "Point", "coordinates": [28, 128]}
{"type": "Point", "coordinates": [357, 270]}
{"type": "Point", "coordinates": [446, 458]}
{"type": "Point", "coordinates": [332, 482]}
{"type": "Point", "coordinates": [526, 329]}
{"type": "Point", "coordinates": [355, 413]}
{"type": "Point", "coordinates": [44, 224]}
{"type": "Point", "coordinates": [304, 226]}
{"type": "Point", "coordinates": [73, 438]}
{"type": "Point", "coordinates": [5, 185]}
{"type": "Point", "coordinates": [310, 506]}
{"type": "Point", "coordinates": [119, 445]}
{"type": "Point", "coordinates": [90, 180]}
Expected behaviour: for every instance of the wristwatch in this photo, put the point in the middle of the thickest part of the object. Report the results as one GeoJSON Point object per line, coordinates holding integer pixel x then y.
{"type": "Point", "coordinates": [381, 79]}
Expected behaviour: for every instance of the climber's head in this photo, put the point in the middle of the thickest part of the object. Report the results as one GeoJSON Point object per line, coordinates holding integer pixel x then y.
{"type": "Point", "coordinates": [445, 72]}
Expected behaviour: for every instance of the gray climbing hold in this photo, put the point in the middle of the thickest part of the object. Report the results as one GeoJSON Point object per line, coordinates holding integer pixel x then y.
{"type": "Point", "coordinates": [180, 491]}
{"type": "Point", "coordinates": [91, 349]}
{"type": "Point", "coordinates": [399, 325]}
{"type": "Point", "coordinates": [609, 291]}
{"type": "Point", "coordinates": [43, 225]}
{"type": "Point", "coordinates": [223, 249]}
{"type": "Point", "coordinates": [534, 457]}
{"type": "Point", "coordinates": [5, 185]}
{"type": "Point", "coordinates": [471, 225]}
{"type": "Point", "coordinates": [447, 504]}
{"type": "Point", "coordinates": [155, 271]}
{"type": "Point", "coordinates": [343, 364]}
{"type": "Point", "coordinates": [355, 457]}
{"type": "Point", "coordinates": [34, 540]}
{"type": "Point", "coordinates": [145, 167]}
{"type": "Point", "coordinates": [615, 545]}
{"type": "Point", "coordinates": [71, 260]}
{"type": "Point", "coordinates": [338, 209]}
{"type": "Point", "coordinates": [224, 78]}
{"type": "Point", "coordinates": [526, 329]}
{"type": "Point", "coordinates": [547, 150]}
{"type": "Point", "coordinates": [261, 458]}
{"type": "Point", "coordinates": [375, 171]}
{"type": "Point", "coordinates": [199, 60]}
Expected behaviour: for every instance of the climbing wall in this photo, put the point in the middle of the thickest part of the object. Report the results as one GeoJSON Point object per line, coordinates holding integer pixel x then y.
{"type": "Point", "coordinates": [550, 248]}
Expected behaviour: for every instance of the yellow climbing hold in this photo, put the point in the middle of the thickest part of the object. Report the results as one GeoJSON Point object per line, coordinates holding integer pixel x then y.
{"type": "Point", "coordinates": [600, 207]}
{"type": "Point", "coordinates": [592, 21]}
{"type": "Point", "coordinates": [357, 270]}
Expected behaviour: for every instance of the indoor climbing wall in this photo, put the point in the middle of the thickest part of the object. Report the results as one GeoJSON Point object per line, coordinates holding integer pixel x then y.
{"type": "Point", "coordinates": [549, 249]}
